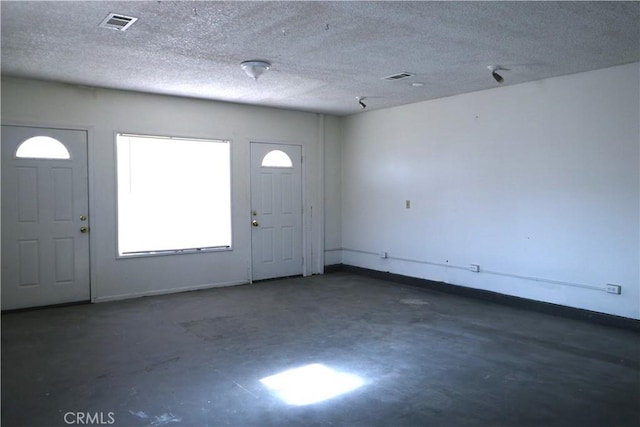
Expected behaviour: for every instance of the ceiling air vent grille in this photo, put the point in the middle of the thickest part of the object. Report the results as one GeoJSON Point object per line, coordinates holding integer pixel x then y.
{"type": "Point", "coordinates": [116, 21]}
{"type": "Point", "coordinates": [398, 76]}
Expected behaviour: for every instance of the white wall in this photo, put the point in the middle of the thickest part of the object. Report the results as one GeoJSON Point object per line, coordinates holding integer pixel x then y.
{"type": "Point", "coordinates": [531, 181]}
{"type": "Point", "coordinates": [332, 191]}
{"type": "Point", "coordinates": [105, 112]}
{"type": "Point", "coordinates": [538, 181]}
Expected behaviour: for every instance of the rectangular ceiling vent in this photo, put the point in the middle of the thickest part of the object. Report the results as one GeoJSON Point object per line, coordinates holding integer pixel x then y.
{"type": "Point", "coordinates": [398, 76]}
{"type": "Point", "coordinates": [115, 21]}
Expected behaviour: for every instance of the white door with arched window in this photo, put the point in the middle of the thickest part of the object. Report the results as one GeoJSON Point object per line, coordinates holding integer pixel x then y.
{"type": "Point", "coordinates": [276, 210]}
{"type": "Point", "coordinates": [45, 217]}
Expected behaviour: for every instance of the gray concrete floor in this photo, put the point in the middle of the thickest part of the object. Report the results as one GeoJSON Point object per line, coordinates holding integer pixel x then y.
{"type": "Point", "coordinates": [426, 359]}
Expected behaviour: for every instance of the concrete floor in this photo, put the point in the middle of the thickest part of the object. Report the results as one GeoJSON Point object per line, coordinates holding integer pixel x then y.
{"type": "Point", "coordinates": [425, 359]}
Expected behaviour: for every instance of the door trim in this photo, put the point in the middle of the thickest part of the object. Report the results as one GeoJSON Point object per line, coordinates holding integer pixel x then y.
{"type": "Point", "coordinates": [90, 185]}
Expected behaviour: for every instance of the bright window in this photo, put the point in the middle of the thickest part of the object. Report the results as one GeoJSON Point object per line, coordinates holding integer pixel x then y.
{"type": "Point", "coordinates": [277, 159]}
{"type": "Point", "coordinates": [42, 147]}
{"type": "Point", "coordinates": [174, 194]}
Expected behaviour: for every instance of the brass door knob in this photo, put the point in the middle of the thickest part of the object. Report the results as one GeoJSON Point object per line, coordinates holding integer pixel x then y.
{"type": "Point", "coordinates": [254, 223]}
{"type": "Point", "coordinates": [84, 229]}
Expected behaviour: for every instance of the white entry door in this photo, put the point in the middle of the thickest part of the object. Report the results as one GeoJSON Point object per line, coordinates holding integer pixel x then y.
{"type": "Point", "coordinates": [276, 210]}
{"type": "Point", "coordinates": [45, 210]}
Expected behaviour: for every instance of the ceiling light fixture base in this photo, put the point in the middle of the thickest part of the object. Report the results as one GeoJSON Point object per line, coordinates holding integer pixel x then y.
{"type": "Point", "coordinates": [255, 67]}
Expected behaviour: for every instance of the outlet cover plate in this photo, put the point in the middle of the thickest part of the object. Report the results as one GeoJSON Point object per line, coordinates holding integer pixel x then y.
{"type": "Point", "coordinates": [614, 289]}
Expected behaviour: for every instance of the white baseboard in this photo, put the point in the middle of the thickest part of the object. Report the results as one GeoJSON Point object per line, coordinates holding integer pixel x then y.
{"type": "Point", "coordinates": [167, 291]}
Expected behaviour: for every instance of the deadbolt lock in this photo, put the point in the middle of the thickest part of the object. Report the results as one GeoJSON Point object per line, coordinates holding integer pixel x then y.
{"type": "Point", "coordinates": [83, 217]}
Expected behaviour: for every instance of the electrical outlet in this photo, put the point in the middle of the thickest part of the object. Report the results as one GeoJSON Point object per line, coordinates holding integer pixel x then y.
{"type": "Point", "coordinates": [407, 204]}
{"type": "Point", "coordinates": [614, 289]}
{"type": "Point", "coordinates": [383, 254]}
{"type": "Point", "coordinates": [475, 268]}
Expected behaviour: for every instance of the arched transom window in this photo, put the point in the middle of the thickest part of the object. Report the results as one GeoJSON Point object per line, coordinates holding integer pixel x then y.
{"type": "Point", "coordinates": [277, 159]}
{"type": "Point", "coordinates": [42, 147]}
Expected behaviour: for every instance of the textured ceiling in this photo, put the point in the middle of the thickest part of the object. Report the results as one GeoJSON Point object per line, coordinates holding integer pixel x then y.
{"type": "Point", "coordinates": [324, 54]}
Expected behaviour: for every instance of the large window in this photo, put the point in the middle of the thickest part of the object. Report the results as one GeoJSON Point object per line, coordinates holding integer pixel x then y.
{"type": "Point", "coordinates": [174, 194]}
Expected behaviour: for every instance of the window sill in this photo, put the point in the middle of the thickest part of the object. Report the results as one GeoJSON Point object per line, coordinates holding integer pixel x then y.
{"type": "Point", "coordinates": [173, 252]}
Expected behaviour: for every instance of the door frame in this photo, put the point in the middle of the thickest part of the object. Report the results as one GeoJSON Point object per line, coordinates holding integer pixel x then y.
{"type": "Point", "coordinates": [90, 184]}
{"type": "Point", "coordinates": [306, 220]}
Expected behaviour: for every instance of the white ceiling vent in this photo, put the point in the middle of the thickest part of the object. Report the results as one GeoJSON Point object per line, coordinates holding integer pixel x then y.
{"type": "Point", "coordinates": [116, 21]}
{"type": "Point", "coordinates": [398, 76]}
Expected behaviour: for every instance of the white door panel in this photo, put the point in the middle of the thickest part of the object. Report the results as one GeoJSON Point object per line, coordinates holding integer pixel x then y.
{"type": "Point", "coordinates": [276, 207]}
{"type": "Point", "coordinates": [45, 256]}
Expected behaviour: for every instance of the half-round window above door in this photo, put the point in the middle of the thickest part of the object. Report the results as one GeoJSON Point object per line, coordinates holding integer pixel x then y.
{"type": "Point", "coordinates": [277, 159]}
{"type": "Point", "coordinates": [42, 147]}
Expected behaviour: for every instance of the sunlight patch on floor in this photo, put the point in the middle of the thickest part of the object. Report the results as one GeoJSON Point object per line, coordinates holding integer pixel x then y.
{"type": "Point", "coordinates": [311, 384]}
